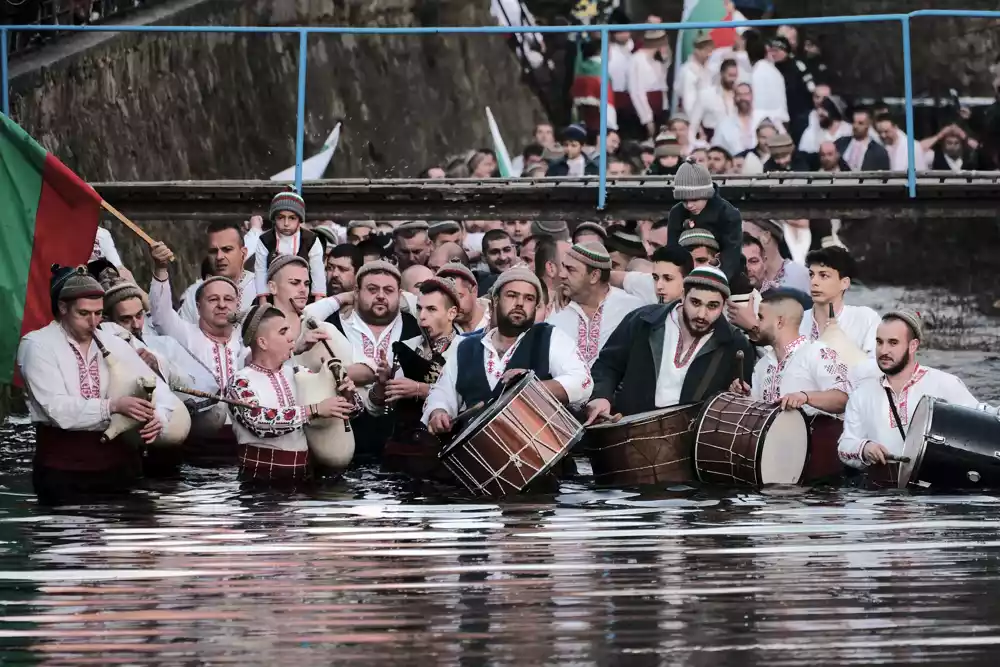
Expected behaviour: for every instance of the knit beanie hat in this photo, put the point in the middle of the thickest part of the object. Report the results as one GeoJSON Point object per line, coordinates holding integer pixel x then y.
{"type": "Point", "coordinates": [693, 182]}
{"type": "Point", "coordinates": [326, 236]}
{"type": "Point", "coordinates": [708, 277]}
{"type": "Point", "coordinates": [623, 241]}
{"type": "Point", "coordinates": [557, 229]}
{"type": "Point", "coordinates": [123, 290]}
{"type": "Point", "coordinates": [367, 224]}
{"type": "Point", "coordinates": [780, 145]}
{"type": "Point", "coordinates": [289, 200]}
{"type": "Point", "coordinates": [378, 266]}
{"type": "Point", "coordinates": [281, 261]}
{"type": "Point", "coordinates": [591, 227]}
{"type": "Point", "coordinates": [575, 133]}
{"type": "Point", "coordinates": [457, 270]}
{"type": "Point", "coordinates": [445, 285]}
{"type": "Point", "coordinates": [911, 318]}
{"type": "Point", "coordinates": [516, 274]}
{"type": "Point", "coordinates": [443, 227]}
{"type": "Point", "coordinates": [591, 254]}
{"type": "Point", "coordinates": [69, 283]}
{"type": "Point", "coordinates": [694, 238]}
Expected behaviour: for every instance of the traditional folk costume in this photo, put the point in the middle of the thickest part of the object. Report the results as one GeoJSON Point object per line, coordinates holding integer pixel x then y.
{"type": "Point", "coordinates": [860, 323]}
{"type": "Point", "coordinates": [643, 366]}
{"type": "Point", "coordinates": [456, 270]}
{"type": "Point", "coordinates": [647, 81]}
{"type": "Point", "coordinates": [69, 403]}
{"type": "Point", "coordinates": [474, 372]}
{"type": "Point", "coordinates": [303, 243]}
{"type": "Point", "coordinates": [272, 442]}
{"type": "Point", "coordinates": [592, 333]}
{"type": "Point", "coordinates": [870, 417]}
{"type": "Point", "coordinates": [211, 438]}
{"type": "Point", "coordinates": [807, 366]}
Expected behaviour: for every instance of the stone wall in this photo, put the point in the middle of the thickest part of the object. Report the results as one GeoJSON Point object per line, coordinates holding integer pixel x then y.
{"type": "Point", "coordinates": [206, 106]}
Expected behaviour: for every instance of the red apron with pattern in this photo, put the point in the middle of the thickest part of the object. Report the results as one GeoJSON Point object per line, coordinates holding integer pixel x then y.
{"type": "Point", "coordinates": [273, 465]}
{"type": "Point", "coordinates": [82, 451]}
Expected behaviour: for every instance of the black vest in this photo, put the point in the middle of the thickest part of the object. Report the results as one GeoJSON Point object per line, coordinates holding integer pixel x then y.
{"type": "Point", "coordinates": [532, 353]}
{"type": "Point", "coordinates": [270, 241]}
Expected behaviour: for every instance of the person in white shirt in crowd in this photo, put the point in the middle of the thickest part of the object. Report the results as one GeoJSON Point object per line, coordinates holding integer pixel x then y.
{"type": "Point", "coordinates": [720, 162]}
{"type": "Point", "coordinates": [594, 308]}
{"type": "Point", "coordinates": [671, 265]}
{"type": "Point", "coordinates": [831, 270]}
{"type": "Point", "coordinates": [620, 51]}
{"type": "Point", "coordinates": [871, 431]}
{"type": "Point", "coordinates": [952, 149]}
{"type": "Point", "coordinates": [768, 83]}
{"type": "Point", "coordinates": [861, 151]}
{"type": "Point", "coordinates": [411, 243]}
{"type": "Point", "coordinates": [532, 44]}
{"type": "Point", "coordinates": [289, 237]}
{"type": "Point", "coordinates": [739, 133]}
{"type": "Point", "coordinates": [504, 352]}
{"type": "Point", "coordinates": [680, 127]}
{"type": "Point", "coordinates": [694, 75]}
{"type": "Point", "coordinates": [829, 126]}
{"type": "Point", "coordinates": [897, 144]}
{"type": "Point", "coordinates": [104, 248]}
{"type": "Point", "coordinates": [647, 80]}
{"type": "Point", "coordinates": [717, 102]}
{"type": "Point", "coordinates": [779, 269]}
{"type": "Point", "coordinates": [68, 382]}
{"type": "Point", "coordinates": [795, 372]}
{"type": "Point", "coordinates": [227, 253]}
{"type": "Point", "coordinates": [755, 160]}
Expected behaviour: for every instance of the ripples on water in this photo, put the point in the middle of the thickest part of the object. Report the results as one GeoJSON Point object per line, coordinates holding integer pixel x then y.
{"type": "Point", "coordinates": [381, 570]}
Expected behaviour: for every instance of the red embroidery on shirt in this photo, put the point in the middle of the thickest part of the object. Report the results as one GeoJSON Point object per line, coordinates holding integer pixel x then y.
{"type": "Point", "coordinates": [778, 278]}
{"type": "Point", "coordinates": [588, 335]}
{"type": "Point", "coordinates": [496, 369]}
{"type": "Point", "coordinates": [280, 385]}
{"type": "Point", "coordinates": [836, 368]}
{"type": "Point", "coordinates": [383, 348]}
{"type": "Point", "coordinates": [89, 375]}
{"type": "Point", "coordinates": [902, 397]}
{"type": "Point", "coordinates": [772, 378]}
{"type": "Point", "coordinates": [681, 362]}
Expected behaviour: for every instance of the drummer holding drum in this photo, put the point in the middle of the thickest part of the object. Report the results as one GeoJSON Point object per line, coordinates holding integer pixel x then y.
{"type": "Point", "coordinates": [880, 409]}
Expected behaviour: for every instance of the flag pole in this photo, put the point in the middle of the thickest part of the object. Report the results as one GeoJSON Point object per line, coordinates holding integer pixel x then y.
{"type": "Point", "coordinates": [131, 225]}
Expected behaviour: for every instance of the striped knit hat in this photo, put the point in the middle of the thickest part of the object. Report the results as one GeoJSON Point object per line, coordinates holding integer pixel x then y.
{"type": "Point", "coordinates": [592, 227]}
{"type": "Point", "coordinates": [590, 254]}
{"type": "Point", "coordinates": [123, 290]}
{"type": "Point", "coordinates": [282, 261]}
{"type": "Point", "coordinates": [457, 270]}
{"type": "Point", "coordinates": [69, 283]}
{"type": "Point", "coordinates": [694, 238]}
{"type": "Point", "coordinates": [708, 277]}
{"type": "Point", "coordinates": [378, 266]}
{"type": "Point", "coordinates": [693, 182]}
{"type": "Point", "coordinates": [290, 201]}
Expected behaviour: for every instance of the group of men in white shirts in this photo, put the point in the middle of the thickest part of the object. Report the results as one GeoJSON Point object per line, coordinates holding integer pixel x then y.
{"type": "Point", "coordinates": [601, 341]}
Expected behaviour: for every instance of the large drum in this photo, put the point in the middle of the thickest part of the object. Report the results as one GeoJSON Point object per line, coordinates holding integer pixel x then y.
{"type": "Point", "coordinates": [646, 448]}
{"type": "Point", "coordinates": [515, 440]}
{"type": "Point", "coordinates": [742, 441]}
{"type": "Point", "coordinates": [950, 447]}
{"type": "Point", "coordinates": [823, 462]}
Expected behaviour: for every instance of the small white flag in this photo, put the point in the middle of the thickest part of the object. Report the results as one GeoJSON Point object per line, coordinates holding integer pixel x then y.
{"type": "Point", "coordinates": [314, 167]}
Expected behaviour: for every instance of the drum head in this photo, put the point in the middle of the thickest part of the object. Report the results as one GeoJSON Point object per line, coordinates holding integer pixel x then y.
{"type": "Point", "coordinates": [489, 412]}
{"type": "Point", "coordinates": [642, 417]}
{"type": "Point", "coordinates": [783, 454]}
{"type": "Point", "coordinates": [916, 440]}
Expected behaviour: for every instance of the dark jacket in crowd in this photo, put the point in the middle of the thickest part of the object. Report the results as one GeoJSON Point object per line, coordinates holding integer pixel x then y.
{"type": "Point", "coordinates": [876, 157]}
{"type": "Point", "coordinates": [627, 369]}
{"type": "Point", "coordinates": [799, 163]}
{"type": "Point", "coordinates": [798, 79]}
{"type": "Point", "coordinates": [561, 168]}
{"type": "Point", "coordinates": [719, 217]}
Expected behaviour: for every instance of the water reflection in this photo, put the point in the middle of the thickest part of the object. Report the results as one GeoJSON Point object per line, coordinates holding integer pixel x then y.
{"type": "Point", "coordinates": [382, 570]}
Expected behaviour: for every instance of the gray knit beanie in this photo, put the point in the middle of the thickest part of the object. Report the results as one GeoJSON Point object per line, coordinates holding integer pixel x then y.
{"type": "Point", "coordinates": [693, 182]}
{"type": "Point", "coordinates": [288, 201]}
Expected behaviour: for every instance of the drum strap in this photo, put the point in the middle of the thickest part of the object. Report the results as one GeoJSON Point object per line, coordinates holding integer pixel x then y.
{"type": "Point", "coordinates": [895, 414]}
{"type": "Point", "coordinates": [706, 379]}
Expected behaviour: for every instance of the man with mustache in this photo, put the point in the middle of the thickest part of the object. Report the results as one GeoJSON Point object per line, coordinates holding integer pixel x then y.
{"type": "Point", "coordinates": [499, 253]}
{"type": "Point", "coordinates": [664, 355]}
{"type": "Point", "coordinates": [871, 429]}
{"type": "Point", "coordinates": [501, 354]}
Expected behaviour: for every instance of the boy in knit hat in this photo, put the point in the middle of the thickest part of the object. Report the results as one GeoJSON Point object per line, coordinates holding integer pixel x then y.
{"type": "Point", "coordinates": [289, 237]}
{"type": "Point", "coordinates": [700, 206]}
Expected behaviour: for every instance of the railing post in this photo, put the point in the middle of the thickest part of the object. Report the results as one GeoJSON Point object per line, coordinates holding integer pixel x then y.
{"type": "Point", "coordinates": [602, 195]}
{"type": "Point", "coordinates": [300, 116]}
{"type": "Point", "coordinates": [5, 95]}
{"type": "Point", "coordinates": [911, 169]}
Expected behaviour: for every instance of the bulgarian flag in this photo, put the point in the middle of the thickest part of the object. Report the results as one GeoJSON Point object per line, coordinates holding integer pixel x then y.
{"type": "Point", "coordinates": [47, 216]}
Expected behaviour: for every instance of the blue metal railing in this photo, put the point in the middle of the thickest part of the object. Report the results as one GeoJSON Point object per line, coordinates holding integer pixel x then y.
{"type": "Point", "coordinates": [304, 32]}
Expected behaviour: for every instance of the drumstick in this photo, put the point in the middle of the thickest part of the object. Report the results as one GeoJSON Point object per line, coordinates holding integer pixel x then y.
{"type": "Point", "coordinates": [889, 458]}
{"type": "Point", "coordinates": [469, 410]}
{"type": "Point", "coordinates": [739, 365]}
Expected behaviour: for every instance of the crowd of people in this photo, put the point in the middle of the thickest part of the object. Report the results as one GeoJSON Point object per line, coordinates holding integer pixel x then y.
{"type": "Point", "coordinates": [429, 318]}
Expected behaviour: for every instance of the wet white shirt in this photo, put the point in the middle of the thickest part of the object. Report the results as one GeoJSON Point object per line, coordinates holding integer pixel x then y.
{"type": "Point", "coordinates": [591, 334]}
{"type": "Point", "coordinates": [565, 365]}
{"type": "Point", "coordinates": [860, 323]}
{"type": "Point", "coordinates": [281, 426]}
{"type": "Point", "coordinates": [807, 366]}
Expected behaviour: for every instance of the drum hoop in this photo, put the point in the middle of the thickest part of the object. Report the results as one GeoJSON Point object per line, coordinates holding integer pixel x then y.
{"type": "Point", "coordinates": [918, 456]}
{"type": "Point", "coordinates": [680, 408]}
{"type": "Point", "coordinates": [757, 455]}
{"type": "Point", "coordinates": [490, 412]}
{"type": "Point", "coordinates": [651, 416]}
